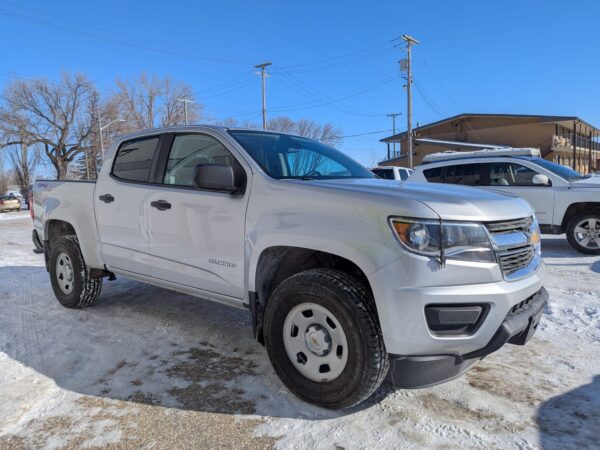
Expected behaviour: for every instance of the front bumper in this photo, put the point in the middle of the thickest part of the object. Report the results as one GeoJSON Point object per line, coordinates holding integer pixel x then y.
{"type": "Point", "coordinates": [519, 325]}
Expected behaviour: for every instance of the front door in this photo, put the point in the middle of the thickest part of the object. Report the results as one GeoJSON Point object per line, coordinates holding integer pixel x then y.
{"type": "Point", "coordinates": [517, 179]}
{"type": "Point", "coordinates": [197, 236]}
{"type": "Point", "coordinates": [121, 206]}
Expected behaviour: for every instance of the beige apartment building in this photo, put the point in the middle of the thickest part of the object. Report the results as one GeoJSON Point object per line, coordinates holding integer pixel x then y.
{"type": "Point", "coordinates": [566, 140]}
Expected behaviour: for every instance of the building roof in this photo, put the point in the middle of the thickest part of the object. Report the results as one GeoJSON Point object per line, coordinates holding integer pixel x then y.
{"type": "Point", "coordinates": [541, 118]}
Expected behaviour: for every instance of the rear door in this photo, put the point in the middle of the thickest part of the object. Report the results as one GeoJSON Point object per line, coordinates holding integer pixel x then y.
{"type": "Point", "coordinates": [197, 236]}
{"type": "Point", "coordinates": [121, 206]}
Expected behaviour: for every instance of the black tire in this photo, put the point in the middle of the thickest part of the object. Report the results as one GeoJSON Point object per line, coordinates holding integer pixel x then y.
{"type": "Point", "coordinates": [571, 232]}
{"type": "Point", "coordinates": [353, 307]}
{"type": "Point", "coordinates": [85, 289]}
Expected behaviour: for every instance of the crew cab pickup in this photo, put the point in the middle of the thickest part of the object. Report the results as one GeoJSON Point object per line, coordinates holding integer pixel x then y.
{"type": "Point", "coordinates": [347, 277]}
{"type": "Point", "coordinates": [564, 200]}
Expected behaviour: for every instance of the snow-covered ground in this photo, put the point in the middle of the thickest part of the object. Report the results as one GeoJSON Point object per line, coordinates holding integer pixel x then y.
{"type": "Point", "coordinates": [148, 368]}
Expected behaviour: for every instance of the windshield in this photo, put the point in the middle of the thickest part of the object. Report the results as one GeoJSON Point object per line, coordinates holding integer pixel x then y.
{"type": "Point", "coordinates": [292, 157]}
{"type": "Point", "coordinates": [561, 171]}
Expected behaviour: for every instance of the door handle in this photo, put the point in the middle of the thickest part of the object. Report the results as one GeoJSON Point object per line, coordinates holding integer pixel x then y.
{"type": "Point", "coordinates": [107, 198]}
{"type": "Point", "coordinates": [161, 205]}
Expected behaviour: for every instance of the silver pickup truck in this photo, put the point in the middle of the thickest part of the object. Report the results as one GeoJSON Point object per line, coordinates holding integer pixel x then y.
{"type": "Point", "coordinates": [347, 277]}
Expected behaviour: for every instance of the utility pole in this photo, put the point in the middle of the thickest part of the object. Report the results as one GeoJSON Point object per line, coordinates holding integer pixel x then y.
{"type": "Point", "coordinates": [263, 74]}
{"type": "Point", "coordinates": [393, 116]}
{"type": "Point", "coordinates": [185, 107]}
{"type": "Point", "coordinates": [409, 42]}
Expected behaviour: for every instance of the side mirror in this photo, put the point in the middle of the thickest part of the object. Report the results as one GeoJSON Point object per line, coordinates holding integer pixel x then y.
{"type": "Point", "coordinates": [541, 180]}
{"type": "Point", "coordinates": [219, 177]}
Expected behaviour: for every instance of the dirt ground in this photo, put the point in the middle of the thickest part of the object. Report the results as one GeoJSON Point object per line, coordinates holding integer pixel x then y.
{"type": "Point", "coordinates": [148, 368]}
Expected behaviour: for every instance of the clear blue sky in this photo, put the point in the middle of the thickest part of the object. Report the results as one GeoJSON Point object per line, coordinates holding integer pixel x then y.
{"type": "Point", "coordinates": [535, 57]}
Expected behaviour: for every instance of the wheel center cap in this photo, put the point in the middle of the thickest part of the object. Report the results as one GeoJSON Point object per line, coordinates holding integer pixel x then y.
{"type": "Point", "coordinates": [317, 340]}
{"type": "Point", "coordinates": [68, 272]}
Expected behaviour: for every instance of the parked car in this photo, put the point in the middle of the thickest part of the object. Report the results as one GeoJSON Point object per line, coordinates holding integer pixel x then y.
{"type": "Point", "coordinates": [346, 276]}
{"type": "Point", "coordinates": [564, 200]}
{"type": "Point", "coordinates": [392, 172]}
{"type": "Point", "coordinates": [9, 203]}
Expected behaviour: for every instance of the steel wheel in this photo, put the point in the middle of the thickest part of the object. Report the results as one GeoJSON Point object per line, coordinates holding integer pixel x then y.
{"type": "Point", "coordinates": [587, 233]}
{"type": "Point", "coordinates": [315, 342]}
{"type": "Point", "coordinates": [64, 273]}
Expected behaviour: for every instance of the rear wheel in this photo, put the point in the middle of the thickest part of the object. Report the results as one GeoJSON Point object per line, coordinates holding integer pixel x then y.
{"type": "Point", "coordinates": [323, 339]}
{"type": "Point", "coordinates": [70, 277]}
{"type": "Point", "coordinates": [583, 232]}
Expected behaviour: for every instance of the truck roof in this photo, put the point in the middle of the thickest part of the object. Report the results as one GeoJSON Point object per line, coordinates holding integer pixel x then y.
{"type": "Point", "coordinates": [486, 153]}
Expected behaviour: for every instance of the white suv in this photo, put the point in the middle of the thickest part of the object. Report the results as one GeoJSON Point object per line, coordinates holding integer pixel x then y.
{"type": "Point", "coordinates": [564, 200]}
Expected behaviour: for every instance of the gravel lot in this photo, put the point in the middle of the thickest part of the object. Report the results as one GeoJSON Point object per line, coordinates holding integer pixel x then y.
{"type": "Point", "coordinates": [148, 368]}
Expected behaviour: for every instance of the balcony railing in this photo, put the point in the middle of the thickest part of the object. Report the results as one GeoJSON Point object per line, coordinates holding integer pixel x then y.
{"type": "Point", "coordinates": [582, 143]}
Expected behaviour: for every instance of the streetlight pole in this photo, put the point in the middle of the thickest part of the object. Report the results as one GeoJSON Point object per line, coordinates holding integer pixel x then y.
{"type": "Point", "coordinates": [103, 127]}
{"type": "Point", "coordinates": [185, 107]}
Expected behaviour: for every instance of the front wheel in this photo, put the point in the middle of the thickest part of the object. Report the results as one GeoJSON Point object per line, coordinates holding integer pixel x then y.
{"type": "Point", "coordinates": [583, 232]}
{"type": "Point", "coordinates": [323, 339]}
{"type": "Point", "coordinates": [70, 277]}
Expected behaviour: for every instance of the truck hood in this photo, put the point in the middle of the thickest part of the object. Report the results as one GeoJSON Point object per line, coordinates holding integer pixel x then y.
{"type": "Point", "coordinates": [590, 182]}
{"type": "Point", "coordinates": [448, 201]}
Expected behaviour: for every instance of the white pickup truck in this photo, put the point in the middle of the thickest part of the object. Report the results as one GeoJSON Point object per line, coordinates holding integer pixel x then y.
{"type": "Point", "coordinates": [564, 200]}
{"type": "Point", "coordinates": [347, 277]}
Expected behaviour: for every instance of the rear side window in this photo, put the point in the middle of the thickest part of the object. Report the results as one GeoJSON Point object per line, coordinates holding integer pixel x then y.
{"type": "Point", "coordinates": [134, 159]}
{"type": "Point", "coordinates": [465, 174]}
{"type": "Point", "coordinates": [386, 174]}
{"type": "Point", "coordinates": [433, 175]}
{"type": "Point", "coordinates": [191, 150]}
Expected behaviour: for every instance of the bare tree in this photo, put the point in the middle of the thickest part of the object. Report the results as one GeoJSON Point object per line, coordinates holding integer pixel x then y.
{"type": "Point", "coordinates": [4, 177]}
{"type": "Point", "coordinates": [327, 133]}
{"type": "Point", "coordinates": [150, 102]}
{"type": "Point", "coordinates": [56, 115]}
{"type": "Point", "coordinates": [24, 163]}
{"type": "Point", "coordinates": [282, 124]}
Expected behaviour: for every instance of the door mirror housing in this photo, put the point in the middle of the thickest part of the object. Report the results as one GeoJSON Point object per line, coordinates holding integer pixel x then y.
{"type": "Point", "coordinates": [541, 180]}
{"type": "Point", "coordinates": [219, 177]}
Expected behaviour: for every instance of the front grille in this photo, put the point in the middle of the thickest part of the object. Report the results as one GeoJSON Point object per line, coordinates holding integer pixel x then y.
{"type": "Point", "coordinates": [514, 260]}
{"type": "Point", "coordinates": [509, 225]}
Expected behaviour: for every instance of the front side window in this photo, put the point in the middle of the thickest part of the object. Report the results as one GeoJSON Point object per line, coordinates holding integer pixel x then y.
{"type": "Point", "coordinates": [133, 160]}
{"type": "Point", "coordinates": [464, 174]}
{"type": "Point", "coordinates": [189, 151]}
{"type": "Point", "coordinates": [510, 174]}
{"type": "Point", "coordinates": [283, 156]}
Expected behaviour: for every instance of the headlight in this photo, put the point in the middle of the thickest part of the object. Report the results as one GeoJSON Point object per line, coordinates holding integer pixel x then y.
{"type": "Point", "coordinates": [445, 240]}
{"type": "Point", "coordinates": [535, 236]}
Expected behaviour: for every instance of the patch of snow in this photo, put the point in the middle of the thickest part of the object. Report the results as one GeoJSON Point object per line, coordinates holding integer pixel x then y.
{"type": "Point", "coordinates": [95, 377]}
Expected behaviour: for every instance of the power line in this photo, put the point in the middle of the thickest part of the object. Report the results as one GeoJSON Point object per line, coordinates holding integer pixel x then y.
{"type": "Point", "coordinates": [183, 53]}
{"type": "Point", "coordinates": [325, 60]}
{"type": "Point", "coordinates": [363, 134]}
{"type": "Point", "coordinates": [428, 100]}
{"type": "Point", "coordinates": [124, 39]}
{"type": "Point", "coordinates": [320, 99]}
{"type": "Point", "coordinates": [340, 64]}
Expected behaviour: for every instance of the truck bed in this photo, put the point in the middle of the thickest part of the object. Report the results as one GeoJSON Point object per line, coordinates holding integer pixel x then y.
{"type": "Point", "coordinates": [70, 201]}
